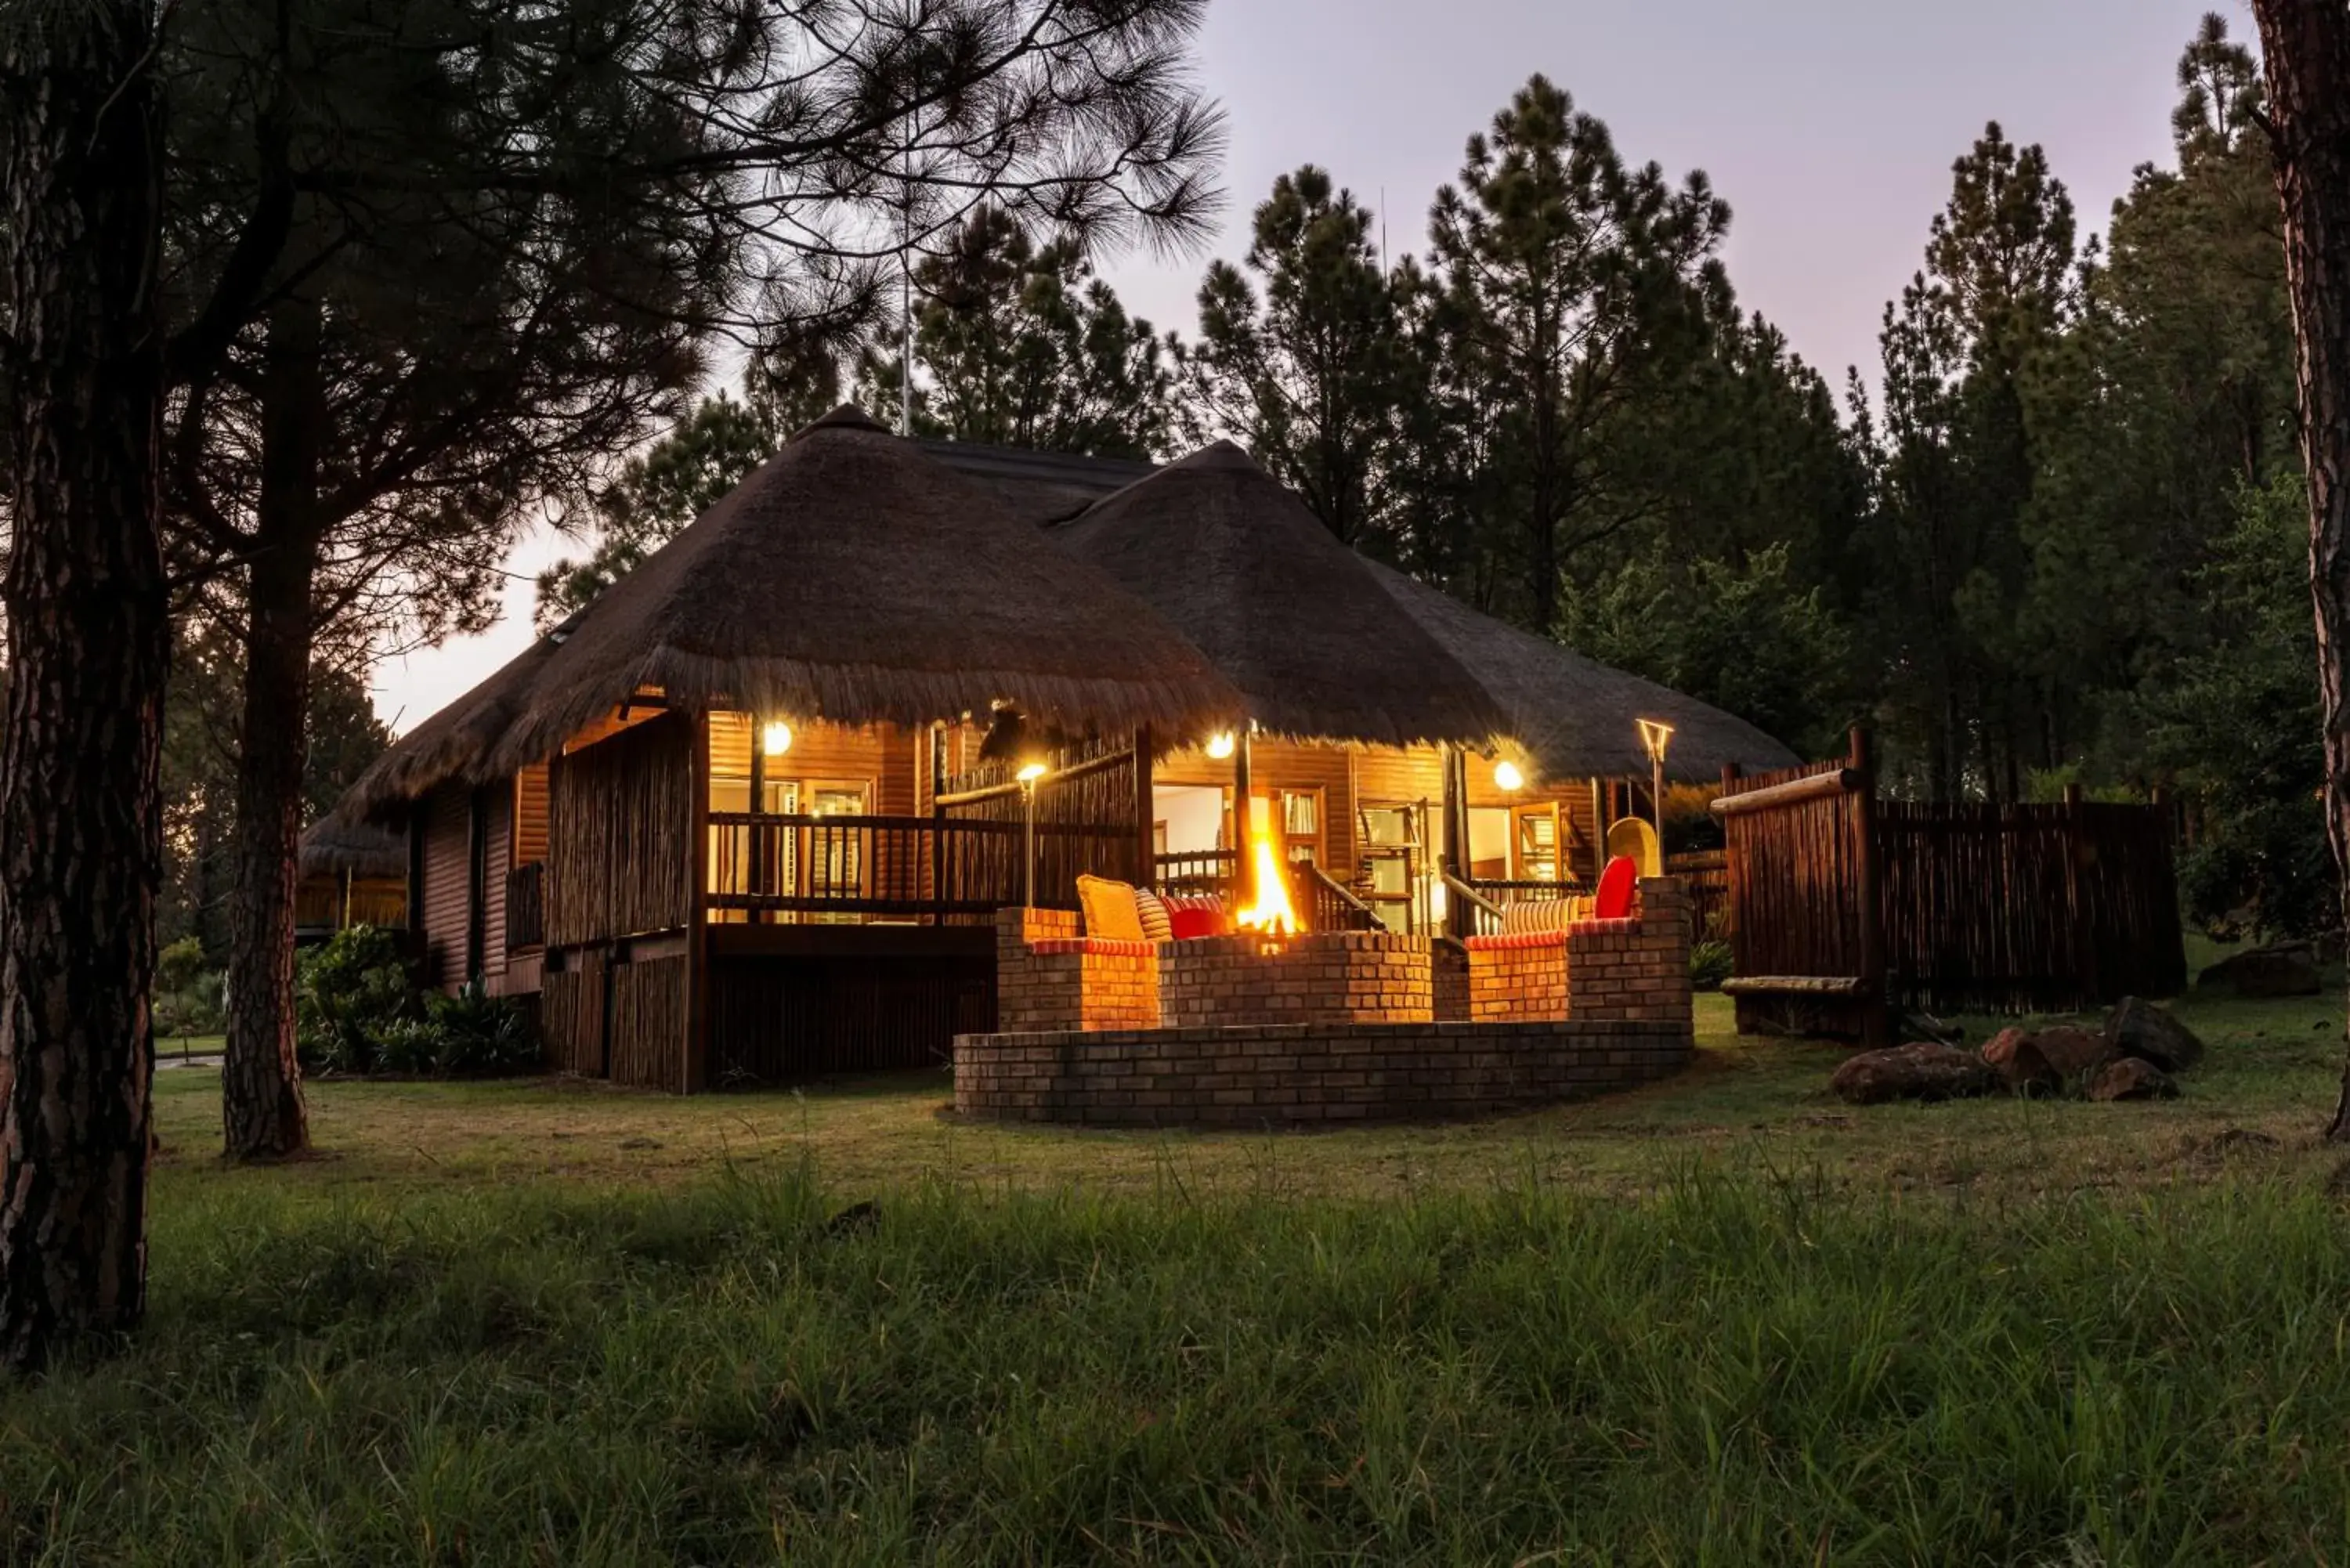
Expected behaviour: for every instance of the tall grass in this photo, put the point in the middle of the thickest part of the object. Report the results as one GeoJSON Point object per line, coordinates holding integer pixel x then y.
{"type": "Point", "coordinates": [1734, 1373]}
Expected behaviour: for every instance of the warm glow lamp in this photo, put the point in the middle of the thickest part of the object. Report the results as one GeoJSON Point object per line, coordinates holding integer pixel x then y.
{"type": "Point", "coordinates": [1030, 772]}
{"type": "Point", "coordinates": [1507, 776]}
{"type": "Point", "coordinates": [1655, 736]}
{"type": "Point", "coordinates": [1221, 744]}
{"type": "Point", "coordinates": [776, 738]}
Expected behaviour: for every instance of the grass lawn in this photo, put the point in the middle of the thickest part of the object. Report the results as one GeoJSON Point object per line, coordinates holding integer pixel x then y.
{"type": "Point", "coordinates": [1749, 1105]}
{"type": "Point", "coordinates": [1724, 1320]}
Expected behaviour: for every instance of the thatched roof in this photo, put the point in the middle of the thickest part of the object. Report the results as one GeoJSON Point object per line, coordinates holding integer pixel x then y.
{"type": "Point", "coordinates": [1574, 716]}
{"type": "Point", "coordinates": [452, 742]}
{"type": "Point", "coordinates": [335, 846]}
{"type": "Point", "coordinates": [1039, 487]}
{"type": "Point", "coordinates": [849, 578]}
{"type": "Point", "coordinates": [1289, 615]}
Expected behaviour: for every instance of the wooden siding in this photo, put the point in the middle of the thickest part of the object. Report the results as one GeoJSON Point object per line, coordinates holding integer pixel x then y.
{"type": "Point", "coordinates": [571, 1016]}
{"type": "Point", "coordinates": [881, 758]}
{"type": "Point", "coordinates": [496, 804]}
{"type": "Point", "coordinates": [778, 1020]}
{"type": "Point", "coordinates": [650, 1002]}
{"type": "Point", "coordinates": [443, 906]}
{"type": "Point", "coordinates": [619, 826]}
{"type": "Point", "coordinates": [530, 815]}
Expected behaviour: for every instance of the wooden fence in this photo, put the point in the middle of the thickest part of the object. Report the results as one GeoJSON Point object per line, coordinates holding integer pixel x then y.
{"type": "Point", "coordinates": [1842, 907]}
{"type": "Point", "coordinates": [2028, 909]}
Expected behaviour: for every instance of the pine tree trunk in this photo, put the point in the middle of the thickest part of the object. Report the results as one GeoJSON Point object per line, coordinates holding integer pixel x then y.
{"type": "Point", "coordinates": [88, 649]}
{"type": "Point", "coordinates": [261, 1113]}
{"type": "Point", "coordinates": [2307, 47]}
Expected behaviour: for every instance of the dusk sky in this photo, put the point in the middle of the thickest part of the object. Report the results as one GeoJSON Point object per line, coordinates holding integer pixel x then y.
{"type": "Point", "coordinates": [1828, 125]}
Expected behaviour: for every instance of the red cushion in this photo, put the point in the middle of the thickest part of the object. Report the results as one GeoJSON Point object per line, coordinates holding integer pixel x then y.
{"type": "Point", "coordinates": [1190, 923]}
{"type": "Point", "coordinates": [1617, 885]}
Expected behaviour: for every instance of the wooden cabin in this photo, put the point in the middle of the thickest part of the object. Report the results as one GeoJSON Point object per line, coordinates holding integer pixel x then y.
{"type": "Point", "coordinates": [749, 816]}
{"type": "Point", "coordinates": [351, 874]}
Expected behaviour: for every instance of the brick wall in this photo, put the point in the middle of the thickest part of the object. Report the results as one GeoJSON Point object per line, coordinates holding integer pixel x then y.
{"type": "Point", "coordinates": [1322, 976]}
{"type": "Point", "coordinates": [1640, 971]}
{"type": "Point", "coordinates": [1641, 974]}
{"type": "Point", "coordinates": [1055, 991]}
{"type": "Point", "coordinates": [1518, 985]}
{"type": "Point", "coordinates": [1297, 1074]}
{"type": "Point", "coordinates": [1449, 981]}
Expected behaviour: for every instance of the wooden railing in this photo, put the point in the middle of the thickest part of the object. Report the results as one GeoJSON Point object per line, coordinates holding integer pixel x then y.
{"type": "Point", "coordinates": [1197, 871]}
{"type": "Point", "coordinates": [1331, 906]}
{"type": "Point", "coordinates": [1472, 914]}
{"type": "Point", "coordinates": [527, 907]}
{"type": "Point", "coordinates": [902, 866]}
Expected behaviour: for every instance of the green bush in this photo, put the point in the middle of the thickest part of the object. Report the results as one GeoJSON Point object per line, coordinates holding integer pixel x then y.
{"type": "Point", "coordinates": [356, 1011]}
{"type": "Point", "coordinates": [188, 994]}
{"type": "Point", "coordinates": [1709, 964]}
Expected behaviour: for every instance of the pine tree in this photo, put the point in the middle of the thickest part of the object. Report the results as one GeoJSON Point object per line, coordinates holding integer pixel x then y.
{"type": "Point", "coordinates": [88, 645]}
{"type": "Point", "coordinates": [1580, 292]}
{"type": "Point", "coordinates": [1306, 366]}
{"type": "Point", "coordinates": [1959, 467]}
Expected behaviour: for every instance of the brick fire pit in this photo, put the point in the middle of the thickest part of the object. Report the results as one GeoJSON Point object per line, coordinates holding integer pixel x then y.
{"type": "Point", "coordinates": [1311, 977]}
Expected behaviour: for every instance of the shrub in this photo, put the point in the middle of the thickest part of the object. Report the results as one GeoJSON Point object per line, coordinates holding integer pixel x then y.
{"type": "Point", "coordinates": [188, 998]}
{"type": "Point", "coordinates": [1709, 964]}
{"type": "Point", "coordinates": [346, 992]}
{"type": "Point", "coordinates": [356, 1011]}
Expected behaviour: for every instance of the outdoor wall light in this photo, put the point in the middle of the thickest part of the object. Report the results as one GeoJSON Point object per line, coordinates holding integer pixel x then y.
{"type": "Point", "coordinates": [1507, 776]}
{"type": "Point", "coordinates": [1030, 772]}
{"type": "Point", "coordinates": [776, 738]}
{"type": "Point", "coordinates": [1221, 744]}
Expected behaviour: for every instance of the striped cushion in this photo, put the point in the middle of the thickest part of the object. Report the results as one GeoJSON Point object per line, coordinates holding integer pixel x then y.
{"type": "Point", "coordinates": [1535, 915]}
{"type": "Point", "coordinates": [1156, 926]}
{"type": "Point", "coordinates": [1511, 941]}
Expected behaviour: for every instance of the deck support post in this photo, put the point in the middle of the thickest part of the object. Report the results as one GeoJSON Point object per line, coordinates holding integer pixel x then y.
{"type": "Point", "coordinates": [695, 1075]}
{"type": "Point", "coordinates": [1145, 811]}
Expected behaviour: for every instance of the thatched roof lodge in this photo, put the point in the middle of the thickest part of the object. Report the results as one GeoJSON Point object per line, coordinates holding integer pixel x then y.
{"type": "Point", "coordinates": [1573, 716]}
{"type": "Point", "coordinates": [749, 815]}
{"type": "Point", "coordinates": [1294, 618]}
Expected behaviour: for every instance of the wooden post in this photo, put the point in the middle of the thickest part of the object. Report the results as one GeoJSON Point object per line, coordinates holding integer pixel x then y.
{"type": "Point", "coordinates": [1877, 1021]}
{"type": "Point", "coordinates": [1145, 811]}
{"type": "Point", "coordinates": [758, 806]}
{"type": "Point", "coordinates": [938, 770]}
{"type": "Point", "coordinates": [1449, 847]}
{"type": "Point", "coordinates": [1241, 790]}
{"type": "Point", "coordinates": [695, 1073]}
{"type": "Point", "coordinates": [2084, 950]}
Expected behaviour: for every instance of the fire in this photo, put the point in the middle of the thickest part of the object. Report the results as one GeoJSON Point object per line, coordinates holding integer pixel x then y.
{"type": "Point", "coordinates": [1271, 913]}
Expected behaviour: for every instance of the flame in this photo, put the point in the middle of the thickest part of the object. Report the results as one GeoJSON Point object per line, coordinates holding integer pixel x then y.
{"type": "Point", "coordinates": [1271, 913]}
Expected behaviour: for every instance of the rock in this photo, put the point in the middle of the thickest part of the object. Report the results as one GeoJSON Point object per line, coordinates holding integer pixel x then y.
{"type": "Point", "coordinates": [1926, 1027]}
{"type": "Point", "coordinates": [2131, 1078]}
{"type": "Point", "coordinates": [1927, 1070]}
{"type": "Point", "coordinates": [2280, 968]}
{"type": "Point", "coordinates": [2138, 1028]}
{"type": "Point", "coordinates": [2074, 1050]}
{"type": "Point", "coordinates": [2017, 1060]}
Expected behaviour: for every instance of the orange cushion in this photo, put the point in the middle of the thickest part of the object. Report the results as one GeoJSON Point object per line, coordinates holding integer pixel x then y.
{"type": "Point", "coordinates": [1110, 914]}
{"type": "Point", "coordinates": [1617, 885]}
